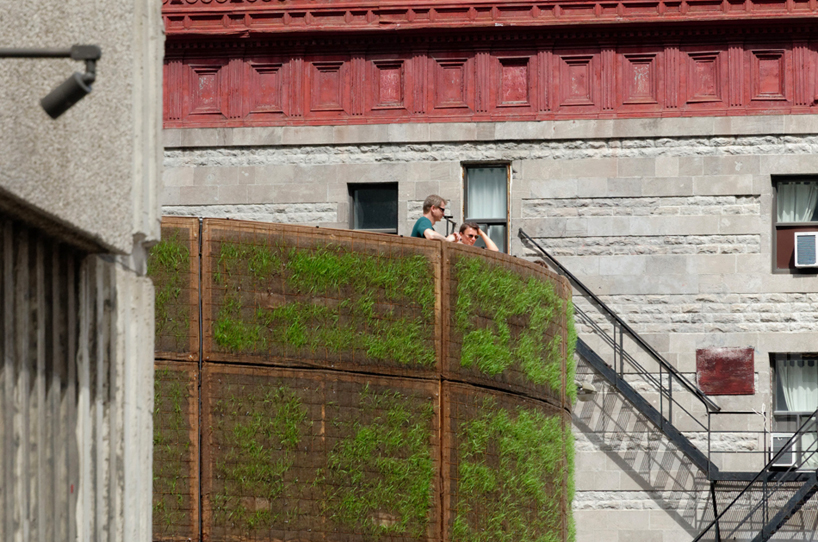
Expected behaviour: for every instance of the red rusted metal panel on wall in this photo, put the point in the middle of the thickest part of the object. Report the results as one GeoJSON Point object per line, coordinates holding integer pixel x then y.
{"type": "Point", "coordinates": [726, 371]}
{"type": "Point", "coordinates": [514, 75]}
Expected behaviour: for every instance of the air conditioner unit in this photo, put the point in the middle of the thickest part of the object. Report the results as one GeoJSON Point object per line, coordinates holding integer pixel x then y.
{"type": "Point", "coordinates": [778, 441]}
{"type": "Point", "coordinates": [805, 249]}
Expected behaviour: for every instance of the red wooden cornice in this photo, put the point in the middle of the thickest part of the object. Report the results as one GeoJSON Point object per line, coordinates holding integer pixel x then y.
{"type": "Point", "coordinates": [504, 75]}
{"type": "Point", "coordinates": [260, 17]}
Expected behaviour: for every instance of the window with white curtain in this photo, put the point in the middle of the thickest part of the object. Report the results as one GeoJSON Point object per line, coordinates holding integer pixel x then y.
{"type": "Point", "coordinates": [795, 400]}
{"type": "Point", "coordinates": [486, 201]}
{"type": "Point", "coordinates": [796, 383]}
{"type": "Point", "coordinates": [797, 201]}
{"type": "Point", "coordinates": [796, 210]}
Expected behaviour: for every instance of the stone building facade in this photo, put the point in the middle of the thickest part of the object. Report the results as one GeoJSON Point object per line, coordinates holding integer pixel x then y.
{"type": "Point", "coordinates": [645, 154]}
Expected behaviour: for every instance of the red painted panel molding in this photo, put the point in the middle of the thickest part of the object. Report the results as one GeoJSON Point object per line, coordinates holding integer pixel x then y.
{"type": "Point", "coordinates": [491, 76]}
{"type": "Point", "coordinates": [258, 17]}
{"type": "Point", "coordinates": [726, 371]}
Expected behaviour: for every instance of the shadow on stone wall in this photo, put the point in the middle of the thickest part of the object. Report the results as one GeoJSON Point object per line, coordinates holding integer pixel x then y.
{"type": "Point", "coordinates": [662, 476]}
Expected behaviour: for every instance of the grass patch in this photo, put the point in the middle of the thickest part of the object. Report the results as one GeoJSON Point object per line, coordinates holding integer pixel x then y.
{"type": "Point", "coordinates": [171, 444]}
{"type": "Point", "coordinates": [357, 302]}
{"type": "Point", "coordinates": [234, 332]}
{"type": "Point", "coordinates": [380, 477]}
{"type": "Point", "coordinates": [168, 266]}
{"type": "Point", "coordinates": [491, 301]}
{"type": "Point", "coordinates": [510, 474]}
{"type": "Point", "coordinates": [331, 270]}
{"type": "Point", "coordinates": [259, 261]}
{"type": "Point", "coordinates": [571, 463]}
{"type": "Point", "coordinates": [258, 433]}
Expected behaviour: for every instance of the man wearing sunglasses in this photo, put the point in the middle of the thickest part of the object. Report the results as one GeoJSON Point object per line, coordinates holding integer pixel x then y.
{"type": "Point", "coordinates": [434, 207]}
{"type": "Point", "coordinates": [470, 232]}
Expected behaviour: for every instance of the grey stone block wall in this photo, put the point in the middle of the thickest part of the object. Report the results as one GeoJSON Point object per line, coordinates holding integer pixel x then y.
{"type": "Point", "coordinates": [669, 220]}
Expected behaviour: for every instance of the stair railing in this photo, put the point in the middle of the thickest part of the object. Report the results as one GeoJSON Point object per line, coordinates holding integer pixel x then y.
{"type": "Point", "coordinates": [662, 379]}
{"type": "Point", "coordinates": [623, 327]}
{"type": "Point", "coordinates": [776, 484]}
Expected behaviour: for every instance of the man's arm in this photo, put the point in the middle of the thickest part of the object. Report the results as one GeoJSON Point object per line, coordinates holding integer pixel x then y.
{"type": "Point", "coordinates": [491, 245]}
{"type": "Point", "coordinates": [431, 234]}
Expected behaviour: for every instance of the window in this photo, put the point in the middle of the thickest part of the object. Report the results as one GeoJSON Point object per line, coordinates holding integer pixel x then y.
{"type": "Point", "coordinates": [795, 398]}
{"type": "Point", "coordinates": [796, 202]}
{"type": "Point", "coordinates": [486, 201]}
{"type": "Point", "coordinates": [374, 207]}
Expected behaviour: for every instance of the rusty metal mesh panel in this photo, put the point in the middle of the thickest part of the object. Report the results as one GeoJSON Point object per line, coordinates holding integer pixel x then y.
{"type": "Point", "coordinates": [507, 323]}
{"type": "Point", "coordinates": [506, 467]}
{"type": "Point", "coordinates": [316, 455]}
{"type": "Point", "coordinates": [173, 265]}
{"type": "Point", "coordinates": [297, 296]}
{"type": "Point", "coordinates": [175, 451]}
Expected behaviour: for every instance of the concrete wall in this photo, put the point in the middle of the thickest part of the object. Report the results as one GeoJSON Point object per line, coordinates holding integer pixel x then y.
{"type": "Point", "coordinates": [78, 212]}
{"type": "Point", "coordinates": [76, 393]}
{"type": "Point", "coordinates": [668, 220]}
{"type": "Point", "coordinates": [95, 169]}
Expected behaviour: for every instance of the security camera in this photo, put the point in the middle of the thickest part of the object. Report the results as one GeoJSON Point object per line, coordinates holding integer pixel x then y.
{"type": "Point", "coordinates": [62, 98]}
{"type": "Point", "coordinates": [72, 89]}
{"type": "Point", "coordinates": [77, 86]}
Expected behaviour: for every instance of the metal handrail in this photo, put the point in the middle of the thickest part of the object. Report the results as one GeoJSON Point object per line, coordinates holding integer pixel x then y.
{"type": "Point", "coordinates": [624, 355]}
{"type": "Point", "coordinates": [763, 472]}
{"type": "Point", "coordinates": [663, 363]}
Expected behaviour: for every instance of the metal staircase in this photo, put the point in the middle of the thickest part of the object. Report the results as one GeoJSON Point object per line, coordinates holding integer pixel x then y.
{"type": "Point", "coordinates": [654, 387]}
{"type": "Point", "coordinates": [772, 488]}
{"type": "Point", "coordinates": [792, 506]}
{"type": "Point", "coordinates": [646, 408]}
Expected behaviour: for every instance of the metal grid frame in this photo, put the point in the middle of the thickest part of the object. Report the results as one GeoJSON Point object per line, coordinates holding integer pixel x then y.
{"type": "Point", "coordinates": [461, 402]}
{"type": "Point", "coordinates": [335, 398]}
{"type": "Point", "coordinates": [285, 237]}
{"type": "Point", "coordinates": [332, 376]}
{"type": "Point", "coordinates": [186, 462]}
{"type": "Point", "coordinates": [189, 230]}
{"type": "Point", "coordinates": [513, 379]}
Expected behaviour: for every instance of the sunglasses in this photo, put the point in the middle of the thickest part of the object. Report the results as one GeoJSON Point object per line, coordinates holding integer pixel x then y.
{"type": "Point", "coordinates": [471, 236]}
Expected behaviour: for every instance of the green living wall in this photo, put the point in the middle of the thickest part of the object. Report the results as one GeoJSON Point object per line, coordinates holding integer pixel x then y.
{"type": "Point", "coordinates": [365, 387]}
{"type": "Point", "coordinates": [325, 297]}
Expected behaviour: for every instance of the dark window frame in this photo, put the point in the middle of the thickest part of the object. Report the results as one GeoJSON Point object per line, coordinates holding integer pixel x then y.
{"type": "Point", "coordinates": [353, 188]}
